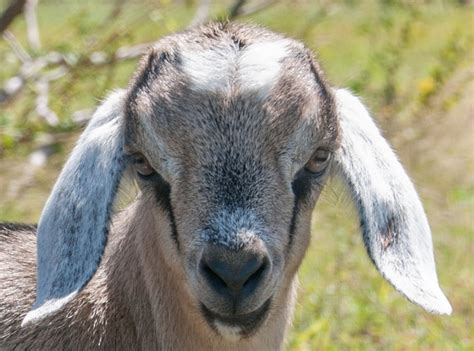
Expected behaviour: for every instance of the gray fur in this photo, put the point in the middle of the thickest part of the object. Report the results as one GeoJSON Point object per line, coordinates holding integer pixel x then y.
{"type": "Point", "coordinates": [72, 231]}
{"type": "Point", "coordinates": [230, 153]}
{"type": "Point", "coordinates": [234, 230]}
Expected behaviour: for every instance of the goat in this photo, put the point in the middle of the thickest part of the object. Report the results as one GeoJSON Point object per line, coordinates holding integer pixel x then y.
{"type": "Point", "coordinates": [230, 131]}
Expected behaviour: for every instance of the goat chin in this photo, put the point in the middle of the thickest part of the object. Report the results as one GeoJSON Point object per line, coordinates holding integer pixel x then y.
{"type": "Point", "coordinates": [230, 133]}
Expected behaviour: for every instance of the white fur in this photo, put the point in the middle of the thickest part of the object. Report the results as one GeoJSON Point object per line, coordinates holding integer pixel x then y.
{"type": "Point", "coordinates": [256, 67]}
{"type": "Point", "coordinates": [387, 203]}
{"type": "Point", "coordinates": [227, 331]}
{"type": "Point", "coordinates": [260, 64]}
{"type": "Point", "coordinates": [48, 308]}
{"type": "Point", "coordinates": [212, 69]}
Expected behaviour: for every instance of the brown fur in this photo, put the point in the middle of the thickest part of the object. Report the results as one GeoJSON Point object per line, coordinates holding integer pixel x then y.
{"type": "Point", "coordinates": [152, 313]}
{"type": "Point", "coordinates": [219, 152]}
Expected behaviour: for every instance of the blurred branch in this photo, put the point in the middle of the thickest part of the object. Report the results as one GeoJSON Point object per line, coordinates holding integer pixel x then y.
{"type": "Point", "coordinates": [116, 11]}
{"type": "Point", "coordinates": [39, 72]}
{"type": "Point", "coordinates": [250, 10]}
{"type": "Point", "coordinates": [202, 13]}
{"type": "Point", "coordinates": [12, 11]}
{"type": "Point", "coordinates": [30, 70]}
{"type": "Point", "coordinates": [130, 52]}
{"type": "Point", "coordinates": [236, 8]}
{"type": "Point", "coordinates": [42, 102]}
{"type": "Point", "coordinates": [32, 24]}
{"type": "Point", "coordinates": [16, 47]}
{"type": "Point", "coordinates": [33, 69]}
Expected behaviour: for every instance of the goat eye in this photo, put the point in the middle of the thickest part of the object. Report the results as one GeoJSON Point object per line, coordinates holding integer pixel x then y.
{"type": "Point", "coordinates": [142, 166]}
{"type": "Point", "coordinates": [318, 161]}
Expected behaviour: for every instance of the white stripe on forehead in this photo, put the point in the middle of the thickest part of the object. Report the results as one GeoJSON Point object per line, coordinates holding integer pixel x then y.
{"type": "Point", "coordinates": [210, 69]}
{"type": "Point", "coordinates": [255, 68]}
{"type": "Point", "coordinates": [259, 64]}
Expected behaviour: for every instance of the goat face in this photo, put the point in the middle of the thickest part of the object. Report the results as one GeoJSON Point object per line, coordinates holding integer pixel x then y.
{"type": "Point", "coordinates": [232, 132]}
{"type": "Point", "coordinates": [241, 137]}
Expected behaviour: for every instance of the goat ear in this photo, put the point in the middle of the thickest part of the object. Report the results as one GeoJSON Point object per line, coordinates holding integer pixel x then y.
{"type": "Point", "coordinates": [394, 226]}
{"type": "Point", "coordinates": [73, 228]}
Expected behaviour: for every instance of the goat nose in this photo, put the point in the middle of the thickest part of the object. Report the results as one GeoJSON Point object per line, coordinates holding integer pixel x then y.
{"type": "Point", "coordinates": [233, 274]}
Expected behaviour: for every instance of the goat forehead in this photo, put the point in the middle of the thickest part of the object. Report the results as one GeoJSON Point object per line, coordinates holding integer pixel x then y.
{"type": "Point", "coordinates": [226, 66]}
{"type": "Point", "coordinates": [227, 131]}
{"type": "Point", "coordinates": [226, 92]}
{"type": "Point", "coordinates": [229, 116]}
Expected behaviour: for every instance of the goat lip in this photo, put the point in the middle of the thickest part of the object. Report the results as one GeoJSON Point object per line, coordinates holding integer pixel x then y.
{"type": "Point", "coordinates": [247, 323]}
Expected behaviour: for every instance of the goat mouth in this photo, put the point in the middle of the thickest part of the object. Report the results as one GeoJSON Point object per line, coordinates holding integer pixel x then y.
{"type": "Point", "coordinates": [237, 326]}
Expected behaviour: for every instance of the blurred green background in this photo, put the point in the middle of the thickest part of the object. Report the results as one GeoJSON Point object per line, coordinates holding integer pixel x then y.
{"type": "Point", "coordinates": [410, 61]}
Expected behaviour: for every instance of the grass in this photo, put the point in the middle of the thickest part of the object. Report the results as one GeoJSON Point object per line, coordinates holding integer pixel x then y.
{"type": "Point", "coordinates": [410, 63]}
{"type": "Point", "coordinates": [345, 304]}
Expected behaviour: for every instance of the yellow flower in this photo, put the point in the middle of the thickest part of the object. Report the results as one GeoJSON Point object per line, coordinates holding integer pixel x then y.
{"type": "Point", "coordinates": [426, 87]}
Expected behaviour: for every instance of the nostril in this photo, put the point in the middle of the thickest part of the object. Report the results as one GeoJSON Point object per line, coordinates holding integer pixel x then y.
{"type": "Point", "coordinates": [212, 277]}
{"type": "Point", "coordinates": [253, 281]}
